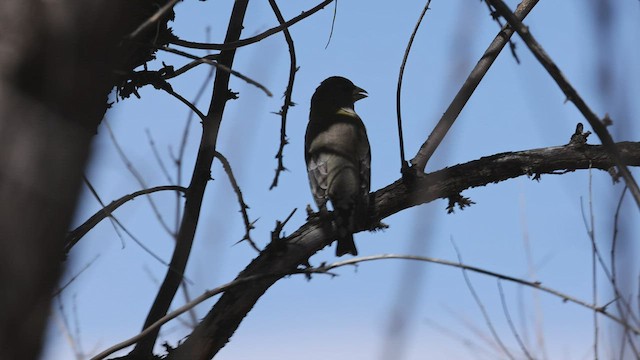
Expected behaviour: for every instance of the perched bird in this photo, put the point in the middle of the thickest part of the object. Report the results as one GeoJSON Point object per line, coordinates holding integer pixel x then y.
{"type": "Point", "coordinates": [338, 157]}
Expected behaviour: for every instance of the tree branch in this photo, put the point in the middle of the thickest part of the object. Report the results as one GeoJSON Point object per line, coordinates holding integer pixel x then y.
{"type": "Point", "coordinates": [427, 149]}
{"type": "Point", "coordinates": [76, 234]}
{"type": "Point", "coordinates": [253, 39]}
{"type": "Point", "coordinates": [218, 65]}
{"type": "Point", "coordinates": [248, 225]}
{"type": "Point", "coordinates": [284, 110]}
{"type": "Point", "coordinates": [201, 175]}
{"type": "Point", "coordinates": [599, 126]}
{"type": "Point", "coordinates": [403, 163]}
{"type": "Point", "coordinates": [284, 256]}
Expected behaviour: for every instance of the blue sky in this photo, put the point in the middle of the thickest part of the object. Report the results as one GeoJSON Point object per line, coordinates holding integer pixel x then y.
{"type": "Point", "coordinates": [516, 107]}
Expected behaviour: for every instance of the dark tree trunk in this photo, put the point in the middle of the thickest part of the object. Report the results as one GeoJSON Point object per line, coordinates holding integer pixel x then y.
{"type": "Point", "coordinates": [56, 70]}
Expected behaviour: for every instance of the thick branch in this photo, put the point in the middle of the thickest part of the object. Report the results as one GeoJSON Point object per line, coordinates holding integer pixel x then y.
{"type": "Point", "coordinates": [200, 177]}
{"type": "Point", "coordinates": [598, 126]}
{"type": "Point", "coordinates": [284, 256]}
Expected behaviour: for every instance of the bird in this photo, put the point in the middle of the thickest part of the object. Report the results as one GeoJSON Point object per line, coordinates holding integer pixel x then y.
{"type": "Point", "coordinates": [338, 157]}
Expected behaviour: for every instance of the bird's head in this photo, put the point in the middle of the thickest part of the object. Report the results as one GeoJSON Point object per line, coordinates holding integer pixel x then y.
{"type": "Point", "coordinates": [334, 93]}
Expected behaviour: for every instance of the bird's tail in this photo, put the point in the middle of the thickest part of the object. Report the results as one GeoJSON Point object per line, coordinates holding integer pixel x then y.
{"type": "Point", "coordinates": [346, 246]}
{"type": "Point", "coordinates": [343, 221]}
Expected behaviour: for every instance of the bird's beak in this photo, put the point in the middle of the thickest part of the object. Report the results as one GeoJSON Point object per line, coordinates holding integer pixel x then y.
{"type": "Point", "coordinates": [359, 93]}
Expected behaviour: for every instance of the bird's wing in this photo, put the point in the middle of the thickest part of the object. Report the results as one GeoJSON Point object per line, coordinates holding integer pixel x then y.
{"type": "Point", "coordinates": [318, 175]}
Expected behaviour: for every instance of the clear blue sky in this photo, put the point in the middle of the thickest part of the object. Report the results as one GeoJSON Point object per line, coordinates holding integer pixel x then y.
{"type": "Point", "coordinates": [516, 107]}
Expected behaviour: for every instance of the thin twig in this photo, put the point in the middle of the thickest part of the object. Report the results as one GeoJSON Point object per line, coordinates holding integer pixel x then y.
{"type": "Point", "coordinates": [219, 66]}
{"type": "Point", "coordinates": [185, 101]}
{"type": "Point", "coordinates": [74, 237]}
{"type": "Point", "coordinates": [138, 177]}
{"type": "Point", "coordinates": [333, 23]}
{"type": "Point", "coordinates": [253, 39]}
{"type": "Point", "coordinates": [403, 162]}
{"type": "Point", "coordinates": [248, 225]}
{"type": "Point", "coordinates": [594, 274]}
{"type": "Point", "coordinates": [107, 211]}
{"type": "Point", "coordinates": [155, 17]}
{"type": "Point", "coordinates": [419, 162]}
{"type": "Point", "coordinates": [156, 155]}
{"type": "Point", "coordinates": [112, 219]}
{"type": "Point", "coordinates": [623, 305]}
{"type": "Point", "coordinates": [76, 234]}
{"type": "Point", "coordinates": [483, 310]}
{"type": "Point", "coordinates": [60, 289]}
{"type": "Point", "coordinates": [284, 110]}
{"type": "Point", "coordinates": [598, 125]}
{"type": "Point", "coordinates": [609, 273]}
{"type": "Point", "coordinates": [193, 64]}
{"type": "Point", "coordinates": [73, 337]}
{"type": "Point", "coordinates": [327, 268]}
{"type": "Point", "coordinates": [533, 284]}
{"type": "Point", "coordinates": [476, 350]}
{"type": "Point", "coordinates": [514, 331]}
{"type": "Point", "coordinates": [174, 314]}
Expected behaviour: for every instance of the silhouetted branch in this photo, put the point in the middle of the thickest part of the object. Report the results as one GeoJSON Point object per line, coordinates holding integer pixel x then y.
{"type": "Point", "coordinates": [207, 59]}
{"type": "Point", "coordinates": [138, 178]}
{"type": "Point", "coordinates": [200, 177]}
{"type": "Point", "coordinates": [326, 269]}
{"type": "Point", "coordinates": [419, 162]}
{"type": "Point", "coordinates": [154, 18]}
{"type": "Point", "coordinates": [284, 110]}
{"type": "Point", "coordinates": [285, 255]}
{"type": "Point", "coordinates": [403, 163]}
{"type": "Point", "coordinates": [598, 125]}
{"type": "Point", "coordinates": [219, 66]}
{"type": "Point", "coordinates": [75, 235]}
{"type": "Point", "coordinates": [512, 327]}
{"type": "Point", "coordinates": [253, 39]}
{"type": "Point", "coordinates": [248, 225]}
{"type": "Point", "coordinates": [185, 101]}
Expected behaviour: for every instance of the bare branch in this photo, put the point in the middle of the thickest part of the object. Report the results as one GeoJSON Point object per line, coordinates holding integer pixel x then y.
{"type": "Point", "coordinates": [251, 280]}
{"type": "Point", "coordinates": [76, 234]}
{"type": "Point", "coordinates": [60, 289]}
{"type": "Point", "coordinates": [598, 125]}
{"type": "Point", "coordinates": [512, 326]}
{"type": "Point", "coordinates": [219, 66]}
{"type": "Point", "coordinates": [478, 301]}
{"type": "Point", "coordinates": [248, 225]}
{"type": "Point", "coordinates": [419, 162]}
{"type": "Point", "coordinates": [199, 61]}
{"type": "Point", "coordinates": [532, 284]}
{"type": "Point", "coordinates": [156, 155]}
{"type": "Point", "coordinates": [285, 255]}
{"type": "Point", "coordinates": [200, 177]}
{"type": "Point", "coordinates": [253, 39]}
{"type": "Point", "coordinates": [403, 162]}
{"type": "Point", "coordinates": [284, 110]}
{"type": "Point", "coordinates": [138, 177]}
{"type": "Point", "coordinates": [185, 101]}
{"type": "Point", "coordinates": [155, 17]}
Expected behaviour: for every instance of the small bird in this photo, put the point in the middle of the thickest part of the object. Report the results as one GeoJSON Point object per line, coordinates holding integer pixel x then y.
{"type": "Point", "coordinates": [338, 157]}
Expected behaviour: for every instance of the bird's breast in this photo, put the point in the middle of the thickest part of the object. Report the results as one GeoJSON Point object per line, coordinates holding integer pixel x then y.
{"type": "Point", "coordinates": [340, 138]}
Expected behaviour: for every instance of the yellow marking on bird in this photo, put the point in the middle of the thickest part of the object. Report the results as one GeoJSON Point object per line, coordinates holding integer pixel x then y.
{"type": "Point", "coordinates": [347, 112]}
